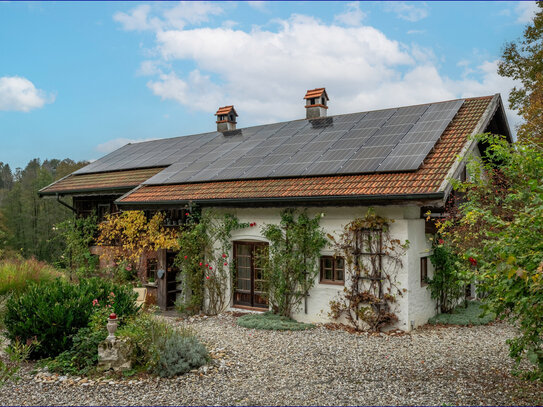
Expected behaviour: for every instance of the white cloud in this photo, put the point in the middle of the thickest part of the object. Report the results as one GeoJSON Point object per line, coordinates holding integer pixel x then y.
{"type": "Point", "coordinates": [409, 12]}
{"type": "Point", "coordinates": [184, 13]}
{"type": "Point", "coordinates": [117, 143]}
{"type": "Point", "coordinates": [526, 11]}
{"type": "Point", "coordinates": [258, 5]}
{"type": "Point", "coordinates": [352, 16]}
{"type": "Point", "coordinates": [19, 94]}
{"type": "Point", "coordinates": [136, 20]}
{"type": "Point", "coordinates": [265, 72]}
{"type": "Point", "coordinates": [152, 67]}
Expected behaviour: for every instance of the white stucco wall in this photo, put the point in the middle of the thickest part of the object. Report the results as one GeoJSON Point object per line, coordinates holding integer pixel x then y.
{"type": "Point", "coordinates": [415, 305]}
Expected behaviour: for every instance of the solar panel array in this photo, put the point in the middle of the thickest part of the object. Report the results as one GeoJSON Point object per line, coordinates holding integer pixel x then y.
{"type": "Point", "coordinates": [378, 141]}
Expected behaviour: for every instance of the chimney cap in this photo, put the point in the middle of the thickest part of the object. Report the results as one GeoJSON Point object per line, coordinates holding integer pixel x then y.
{"type": "Point", "coordinates": [315, 93]}
{"type": "Point", "coordinates": [226, 110]}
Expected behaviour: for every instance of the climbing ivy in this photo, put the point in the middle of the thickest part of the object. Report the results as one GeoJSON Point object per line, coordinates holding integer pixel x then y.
{"type": "Point", "coordinates": [78, 234]}
{"type": "Point", "coordinates": [372, 260]}
{"type": "Point", "coordinates": [291, 267]}
{"type": "Point", "coordinates": [128, 235]}
{"type": "Point", "coordinates": [205, 242]}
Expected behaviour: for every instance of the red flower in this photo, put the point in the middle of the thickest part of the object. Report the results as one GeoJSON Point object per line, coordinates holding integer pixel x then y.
{"type": "Point", "coordinates": [472, 261]}
{"type": "Point", "coordinates": [224, 255]}
{"type": "Point", "coordinates": [200, 263]}
{"type": "Point", "coordinates": [95, 302]}
{"type": "Point", "coordinates": [211, 268]}
{"type": "Point", "coordinates": [186, 257]}
{"type": "Point", "coordinates": [441, 241]}
{"type": "Point", "coordinates": [207, 277]}
{"type": "Point", "coordinates": [226, 264]}
{"type": "Point", "coordinates": [186, 214]}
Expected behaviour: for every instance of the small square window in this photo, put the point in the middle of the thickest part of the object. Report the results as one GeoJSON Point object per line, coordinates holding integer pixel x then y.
{"type": "Point", "coordinates": [423, 271]}
{"type": "Point", "coordinates": [332, 270]}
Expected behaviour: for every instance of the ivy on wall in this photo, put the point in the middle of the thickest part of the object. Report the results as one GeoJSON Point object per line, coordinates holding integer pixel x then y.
{"type": "Point", "coordinates": [130, 234]}
{"type": "Point", "coordinates": [372, 260]}
{"type": "Point", "coordinates": [205, 244]}
{"type": "Point", "coordinates": [78, 234]}
{"type": "Point", "coordinates": [291, 266]}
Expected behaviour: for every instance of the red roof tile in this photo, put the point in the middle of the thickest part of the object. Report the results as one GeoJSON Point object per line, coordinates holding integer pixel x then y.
{"type": "Point", "coordinates": [315, 93]}
{"type": "Point", "coordinates": [225, 110]}
{"type": "Point", "coordinates": [427, 179]}
{"type": "Point", "coordinates": [105, 180]}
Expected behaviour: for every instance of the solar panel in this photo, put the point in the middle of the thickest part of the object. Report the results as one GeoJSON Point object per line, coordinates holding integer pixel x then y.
{"type": "Point", "coordinates": [411, 150]}
{"type": "Point", "coordinates": [395, 139]}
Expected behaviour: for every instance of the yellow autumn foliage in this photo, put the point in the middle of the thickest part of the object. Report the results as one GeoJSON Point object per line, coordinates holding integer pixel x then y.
{"type": "Point", "coordinates": [130, 234]}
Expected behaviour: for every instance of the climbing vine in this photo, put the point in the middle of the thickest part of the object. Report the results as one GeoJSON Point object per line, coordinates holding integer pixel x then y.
{"type": "Point", "coordinates": [130, 234]}
{"type": "Point", "coordinates": [205, 242]}
{"type": "Point", "coordinates": [372, 260]}
{"type": "Point", "coordinates": [291, 267]}
{"type": "Point", "coordinates": [78, 235]}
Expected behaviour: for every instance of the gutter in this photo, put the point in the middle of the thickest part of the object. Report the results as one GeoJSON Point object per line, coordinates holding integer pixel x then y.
{"type": "Point", "coordinates": [308, 199]}
{"type": "Point", "coordinates": [79, 191]}
{"type": "Point", "coordinates": [65, 204]}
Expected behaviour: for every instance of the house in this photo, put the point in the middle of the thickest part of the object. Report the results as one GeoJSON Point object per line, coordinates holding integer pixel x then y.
{"type": "Point", "coordinates": [398, 161]}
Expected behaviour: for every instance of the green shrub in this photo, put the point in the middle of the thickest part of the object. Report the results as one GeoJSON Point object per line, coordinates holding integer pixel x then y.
{"type": "Point", "coordinates": [178, 354]}
{"type": "Point", "coordinates": [161, 348]}
{"type": "Point", "coordinates": [53, 312]}
{"type": "Point", "coordinates": [16, 274]}
{"type": "Point", "coordinates": [143, 331]}
{"type": "Point", "coordinates": [271, 321]}
{"type": "Point", "coordinates": [82, 357]}
{"type": "Point", "coordinates": [461, 315]}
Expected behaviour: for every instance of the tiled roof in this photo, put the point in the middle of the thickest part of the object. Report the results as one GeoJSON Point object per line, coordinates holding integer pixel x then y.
{"type": "Point", "coordinates": [225, 110]}
{"type": "Point", "coordinates": [315, 93]}
{"type": "Point", "coordinates": [426, 180]}
{"type": "Point", "coordinates": [100, 181]}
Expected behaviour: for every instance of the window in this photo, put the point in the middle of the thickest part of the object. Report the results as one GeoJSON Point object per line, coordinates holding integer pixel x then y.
{"type": "Point", "coordinates": [332, 270]}
{"type": "Point", "coordinates": [423, 271]}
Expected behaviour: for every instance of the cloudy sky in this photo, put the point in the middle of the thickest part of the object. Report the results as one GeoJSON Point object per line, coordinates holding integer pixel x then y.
{"type": "Point", "coordinates": [78, 80]}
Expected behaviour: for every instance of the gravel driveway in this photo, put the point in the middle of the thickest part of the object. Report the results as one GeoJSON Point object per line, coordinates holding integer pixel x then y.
{"type": "Point", "coordinates": [433, 366]}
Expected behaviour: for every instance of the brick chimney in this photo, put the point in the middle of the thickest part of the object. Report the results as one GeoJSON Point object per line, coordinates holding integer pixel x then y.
{"type": "Point", "coordinates": [226, 118]}
{"type": "Point", "coordinates": [316, 101]}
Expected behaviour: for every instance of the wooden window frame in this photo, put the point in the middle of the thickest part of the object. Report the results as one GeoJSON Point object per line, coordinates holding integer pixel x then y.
{"type": "Point", "coordinates": [424, 271]}
{"type": "Point", "coordinates": [335, 280]}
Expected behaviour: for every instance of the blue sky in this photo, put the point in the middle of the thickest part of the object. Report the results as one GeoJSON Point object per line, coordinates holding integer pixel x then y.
{"type": "Point", "coordinates": [78, 80]}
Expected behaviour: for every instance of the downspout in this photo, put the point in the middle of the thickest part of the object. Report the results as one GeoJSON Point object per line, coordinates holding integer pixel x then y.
{"type": "Point", "coordinates": [65, 204]}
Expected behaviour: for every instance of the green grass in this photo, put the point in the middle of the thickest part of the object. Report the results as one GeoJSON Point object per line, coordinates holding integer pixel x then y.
{"type": "Point", "coordinates": [271, 321]}
{"type": "Point", "coordinates": [15, 275]}
{"type": "Point", "coordinates": [464, 316]}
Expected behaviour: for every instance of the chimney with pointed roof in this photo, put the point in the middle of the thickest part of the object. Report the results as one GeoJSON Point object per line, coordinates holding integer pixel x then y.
{"type": "Point", "coordinates": [226, 118]}
{"type": "Point", "coordinates": [316, 101]}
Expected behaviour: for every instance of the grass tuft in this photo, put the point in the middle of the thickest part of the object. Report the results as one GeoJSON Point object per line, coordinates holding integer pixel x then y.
{"type": "Point", "coordinates": [464, 316]}
{"type": "Point", "coordinates": [16, 275]}
{"type": "Point", "coordinates": [272, 322]}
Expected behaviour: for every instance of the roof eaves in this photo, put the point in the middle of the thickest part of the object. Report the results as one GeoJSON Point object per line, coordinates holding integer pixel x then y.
{"type": "Point", "coordinates": [338, 198]}
{"type": "Point", "coordinates": [485, 119]}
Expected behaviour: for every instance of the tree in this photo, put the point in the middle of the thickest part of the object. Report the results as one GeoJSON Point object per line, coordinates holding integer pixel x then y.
{"type": "Point", "coordinates": [28, 221]}
{"type": "Point", "coordinates": [499, 235]}
{"type": "Point", "coordinates": [523, 60]}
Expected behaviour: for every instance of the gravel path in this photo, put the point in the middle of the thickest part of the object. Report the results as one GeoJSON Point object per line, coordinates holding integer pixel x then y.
{"type": "Point", "coordinates": [433, 366]}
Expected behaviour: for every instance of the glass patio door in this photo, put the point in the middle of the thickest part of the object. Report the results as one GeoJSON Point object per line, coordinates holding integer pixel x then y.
{"type": "Point", "coordinates": [249, 282]}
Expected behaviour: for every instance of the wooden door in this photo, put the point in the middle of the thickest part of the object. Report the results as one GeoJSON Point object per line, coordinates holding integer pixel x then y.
{"type": "Point", "coordinates": [171, 279]}
{"type": "Point", "coordinates": [249, 282]}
